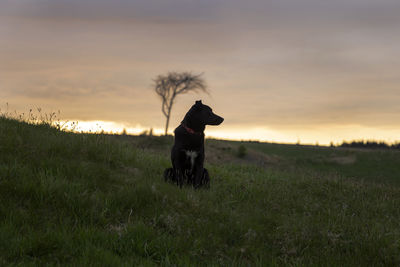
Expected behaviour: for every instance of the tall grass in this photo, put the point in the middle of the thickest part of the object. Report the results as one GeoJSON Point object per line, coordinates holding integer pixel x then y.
{"type": "Point", "coordinates": [37, 116]}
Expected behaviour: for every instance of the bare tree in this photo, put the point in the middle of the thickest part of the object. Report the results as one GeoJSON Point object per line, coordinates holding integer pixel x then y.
{"type": "Point", "coordinates": [175, 83]}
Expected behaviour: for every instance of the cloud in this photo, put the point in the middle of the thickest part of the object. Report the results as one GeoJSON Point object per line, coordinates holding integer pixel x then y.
{"type": "Point", "coordinates": [284, 64]}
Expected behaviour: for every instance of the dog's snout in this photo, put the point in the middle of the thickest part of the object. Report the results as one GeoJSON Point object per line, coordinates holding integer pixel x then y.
{"type": "Point", "coordinates": [219, 120]}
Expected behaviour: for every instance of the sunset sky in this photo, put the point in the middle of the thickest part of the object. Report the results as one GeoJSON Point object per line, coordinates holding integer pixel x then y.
{"type": "Point", "coordinates": [282, 71]}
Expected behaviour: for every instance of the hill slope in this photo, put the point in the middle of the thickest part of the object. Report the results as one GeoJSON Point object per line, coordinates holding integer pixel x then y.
{"type": "Point", "coordinates": [84, 199]}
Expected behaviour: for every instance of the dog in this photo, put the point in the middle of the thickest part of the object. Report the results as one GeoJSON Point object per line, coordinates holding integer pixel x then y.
{"type": "Point", "coordinates": [187, 154]}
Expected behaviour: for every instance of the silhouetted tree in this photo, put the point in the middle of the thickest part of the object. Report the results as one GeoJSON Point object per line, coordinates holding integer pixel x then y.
{"type": "Point", "coordinates": [175, 83]}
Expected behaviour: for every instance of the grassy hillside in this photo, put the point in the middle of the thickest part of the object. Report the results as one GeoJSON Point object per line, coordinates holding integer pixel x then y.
{"type": "Point", "coordinates": [82, 199]}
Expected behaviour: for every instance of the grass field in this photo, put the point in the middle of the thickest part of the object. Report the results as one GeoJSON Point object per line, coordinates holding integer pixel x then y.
{"type": "Point", "coordinates": [100, 200]}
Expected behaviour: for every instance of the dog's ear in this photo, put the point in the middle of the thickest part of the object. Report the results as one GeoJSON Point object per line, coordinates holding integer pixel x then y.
{"type": "Point", "coordinates": [198, 102]}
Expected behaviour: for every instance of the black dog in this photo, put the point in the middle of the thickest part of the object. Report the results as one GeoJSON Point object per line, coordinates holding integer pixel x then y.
{"type": "Point", "coordinates": [187, 154]}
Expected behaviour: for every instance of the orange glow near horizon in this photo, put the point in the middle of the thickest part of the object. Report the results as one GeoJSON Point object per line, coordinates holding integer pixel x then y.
{"type": "Point", "coordinates": [320, 135]}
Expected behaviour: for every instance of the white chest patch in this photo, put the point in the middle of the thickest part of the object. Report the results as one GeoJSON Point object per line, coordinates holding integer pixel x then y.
{"type": "Point", "coordinates": [192, 156]}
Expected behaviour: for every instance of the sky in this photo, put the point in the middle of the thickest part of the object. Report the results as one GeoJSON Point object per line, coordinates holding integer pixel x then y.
{"type": "Point", "coordinates": [308, 71]}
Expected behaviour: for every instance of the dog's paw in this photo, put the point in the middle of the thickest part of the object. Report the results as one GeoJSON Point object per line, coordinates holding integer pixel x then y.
{"type": "Point", "coordinates": [169, 175]}
{"type": "Point", "coordinates": [205, 180]}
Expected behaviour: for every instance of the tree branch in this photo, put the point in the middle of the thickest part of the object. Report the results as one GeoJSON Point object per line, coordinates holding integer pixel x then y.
{"type": "Point", "coordinates": [169, 86]}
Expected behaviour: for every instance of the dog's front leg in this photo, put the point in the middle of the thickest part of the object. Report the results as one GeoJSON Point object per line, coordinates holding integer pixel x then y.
{"type": "Point", "coordinates": [179, 174]}
{"type": "Point", "coordinates": [198, 175]}
{"type": "Point", "coordinates": [198, 170]}
{"type": "Point", "coordinates": [179, 171]}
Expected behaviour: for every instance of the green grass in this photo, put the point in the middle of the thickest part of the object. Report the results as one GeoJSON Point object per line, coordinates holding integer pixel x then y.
{"type": "Point", "coordinates": [374, 165]}
{"type": "Point", "coordinates": [98, 200]}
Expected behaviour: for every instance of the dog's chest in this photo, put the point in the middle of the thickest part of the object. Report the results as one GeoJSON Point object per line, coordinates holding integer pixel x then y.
{"type": "Point", "coordinates": [191, 156]}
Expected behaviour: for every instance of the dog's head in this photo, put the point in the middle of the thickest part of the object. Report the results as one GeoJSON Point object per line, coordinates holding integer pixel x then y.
{"type": "Point", "coordinates": [201, 115]}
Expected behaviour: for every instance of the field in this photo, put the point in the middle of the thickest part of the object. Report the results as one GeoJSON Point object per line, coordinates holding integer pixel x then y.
{"type": "Point", "coordinates": [100, 200]}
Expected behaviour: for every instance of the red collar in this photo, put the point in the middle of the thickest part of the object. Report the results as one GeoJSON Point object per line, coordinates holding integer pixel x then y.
{"type": "Point", "coordinates": [189, 130]}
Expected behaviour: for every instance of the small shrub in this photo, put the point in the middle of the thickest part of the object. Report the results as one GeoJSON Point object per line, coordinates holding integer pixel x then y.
{"type": "Point", "coordinates": [242, 151]}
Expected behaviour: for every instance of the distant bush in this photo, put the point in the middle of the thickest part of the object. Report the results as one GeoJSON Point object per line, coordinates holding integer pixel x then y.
{"type": "Point", "coordinates": [147, 132]}
{"type": "Point", "coordinates": [242, 151]}
{"type": "Point", "coordinates": [370, 144]}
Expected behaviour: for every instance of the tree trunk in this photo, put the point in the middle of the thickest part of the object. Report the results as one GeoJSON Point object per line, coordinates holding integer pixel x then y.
{"type": "Point", "coordinates": [166, 125]}
{"type": "Point", "coordinates": [171, 102]}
